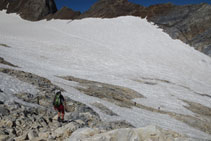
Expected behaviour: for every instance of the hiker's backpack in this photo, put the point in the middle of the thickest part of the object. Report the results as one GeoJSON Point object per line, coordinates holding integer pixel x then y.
{"type": "Point", "coordinates": [57, 100]}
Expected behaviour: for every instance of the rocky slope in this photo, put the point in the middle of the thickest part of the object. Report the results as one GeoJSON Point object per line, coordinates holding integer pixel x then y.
{"type": "Point", "coordinates": [115, 8]}
{"type": "Point", "coordinates": [112, 8]}
{"type": "Point", "coordinates": [127, 134]}
{"type": "Point", "coordinates": [29, 9]}
{"type": "Point", "coordinates": [26, 116]}
{"type": "Point", "coordinates": [37, 10]}
{"type": "Point", "coordinates": [31, 117]}
{"type": "Point", "coordinates": [65, 13]}
{"type": "Point", "coordinates": [189, 23]}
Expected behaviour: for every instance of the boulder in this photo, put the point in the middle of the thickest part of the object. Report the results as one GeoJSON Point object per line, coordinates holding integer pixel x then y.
{"type": "Point", "coordinates": [127, 134]}
{"type": "Point", "coordinates": [55, 118]}
{"type": "Point", "coordinates": [32, 134]}
{"type": "Point", "coordinates": [8, 123]}
{"type": "Point", "coordinates": [43, 135]}
{"type": "Point", "coordinates": [65, 131]}
{"type": "Point", "coordinates": [4, 137]}
{"type": "Point", "coordinates": [20, 138]}
{"type": "Point", "coordinates": [4, 111]}
{"type": "Point", "coordinates": [83, 134]}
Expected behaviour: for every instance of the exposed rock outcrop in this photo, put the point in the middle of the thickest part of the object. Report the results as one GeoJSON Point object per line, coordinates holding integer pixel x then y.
{"type": "Point", "coordinates": [35, 10]}
{"type": "Point", "coordinates": [2, 61]}
{"type": "Point", "coordinates": [112, 8]}
{"type": "Point", "coordinates": [120, 96]}
{"type": "Point", "coordinates": [189, 23]}
{"type": "Point", "coordinates": [65, 13]}
{"type": "Point", "coordinates": [29, 9]}
{"type": "Point", "coordinates": [115, 8]}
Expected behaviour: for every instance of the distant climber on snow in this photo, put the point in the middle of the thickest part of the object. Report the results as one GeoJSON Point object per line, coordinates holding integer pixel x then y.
{"type": "Point", "coordinates": [59, 105]}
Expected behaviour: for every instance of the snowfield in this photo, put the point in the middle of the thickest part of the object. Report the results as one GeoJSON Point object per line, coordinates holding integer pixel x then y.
{"type": "Point", "coordinates": [123, 51]}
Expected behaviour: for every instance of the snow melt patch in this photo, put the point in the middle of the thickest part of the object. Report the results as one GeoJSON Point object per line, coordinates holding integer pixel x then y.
{"type": "Point", "coordinates": [11, 85]}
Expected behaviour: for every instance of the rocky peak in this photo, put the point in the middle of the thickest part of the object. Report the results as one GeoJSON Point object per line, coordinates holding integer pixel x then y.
{"type": "Point", "coordinates": [112, 8]}
{"type": "Point", "coordinates": [29, 9]}
{"type": "Point", "coordinates": [115, 8]}
{"type": "Point", "coordinates": [66, 13]}
{"type": "Point", "coordinates": [189, 23]}
{"type": "Point", "coordinates": [158, 10]}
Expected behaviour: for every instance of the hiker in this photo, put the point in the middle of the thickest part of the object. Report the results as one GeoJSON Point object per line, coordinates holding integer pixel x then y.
{"type": "Point", "coordinates": [59, 105]}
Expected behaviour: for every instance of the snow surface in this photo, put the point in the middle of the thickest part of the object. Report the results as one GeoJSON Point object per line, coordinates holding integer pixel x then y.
{"type": "Point", "coordinates": [11, 86]}
{"type": "Point", "coordinates": [124, 51]}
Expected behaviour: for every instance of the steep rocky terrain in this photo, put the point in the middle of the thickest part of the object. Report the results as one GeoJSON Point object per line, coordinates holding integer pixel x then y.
{"type": "Point", "coordinates": [37, 10]}
{"type": "Point", "coordinates": [189, 23]}
{"type": "Point", "coordinates": [29, 9]}
{"type": "Point", "coordinates": [65, 13]}
{"type": "Point", "coordinates": [112, 8]}
{"type": "Point", "coordinates": [115, 8]}
{"type": "Point", "coordinates": [140, 134]}
{"type": "Point", "coordinates": [30, 117]}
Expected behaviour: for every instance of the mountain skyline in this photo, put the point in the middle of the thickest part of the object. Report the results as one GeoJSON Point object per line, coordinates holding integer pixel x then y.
{"type": "Point", "coordinates": [82, 5]}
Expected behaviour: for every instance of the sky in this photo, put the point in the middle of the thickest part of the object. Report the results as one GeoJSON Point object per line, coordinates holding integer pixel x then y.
{"type": "Point", "coordinates": [83, 5]}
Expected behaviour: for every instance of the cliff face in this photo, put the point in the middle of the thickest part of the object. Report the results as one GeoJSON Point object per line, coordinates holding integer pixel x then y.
{"type": "Point", "coordinates": [35, 10]}
{"type": "Point", "coordinates": [66, 13]}
{"type": "Point", "coordinates": [112, 8]}
{"type": "Point", "coordinates": [29, 9]}
{"type": "Point", "coordinates": [189, 23]}
{"type": "Point", "coordinates": [115, 8]}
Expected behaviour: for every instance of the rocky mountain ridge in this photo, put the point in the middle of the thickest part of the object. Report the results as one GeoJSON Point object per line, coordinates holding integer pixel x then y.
{"type": "Point", "coordinates": [190, 23]}
{"type": "Point", "coordinates": [64, 13]}
{"type": "Point", "coordinates": [29, 9]}
{"type": "Point", "coordinates": [37, 10]}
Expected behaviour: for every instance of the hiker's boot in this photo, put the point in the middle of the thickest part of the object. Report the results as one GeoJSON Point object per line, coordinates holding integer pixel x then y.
{"type": "Point", "coordinates": [62, 120]}
{"type": "Point", "coordinates": [59, 119]}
